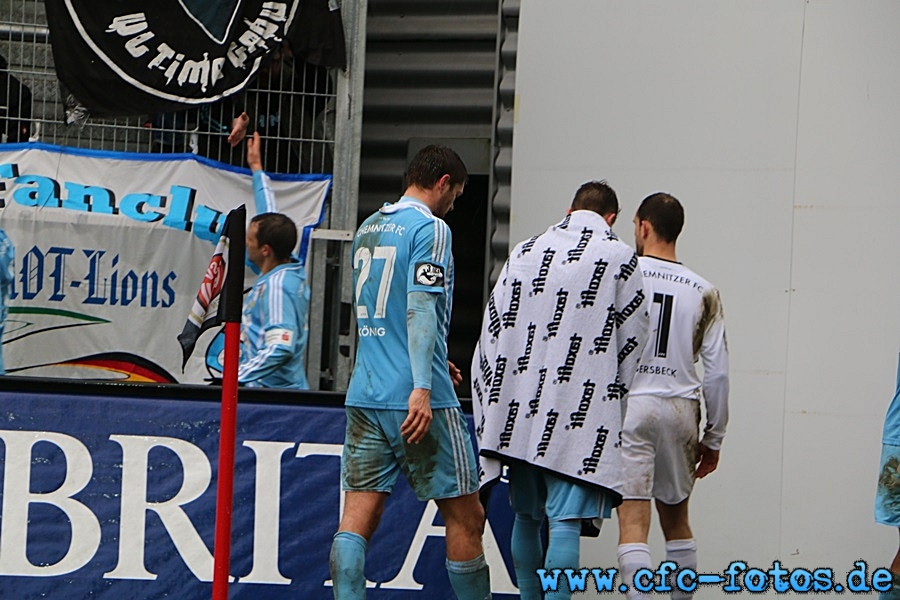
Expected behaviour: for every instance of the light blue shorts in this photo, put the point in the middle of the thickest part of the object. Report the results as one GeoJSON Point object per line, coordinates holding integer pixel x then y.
{"type": "Point", "coordinates": [887, 496]}
{"type": "Point", "coordinates": [536, 493]}
{"type": "Point", "coordinates": [442, 465]}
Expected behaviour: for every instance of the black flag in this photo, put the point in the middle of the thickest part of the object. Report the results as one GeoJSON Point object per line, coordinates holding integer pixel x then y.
{"type": "Point", "coordinates": [221, 294]}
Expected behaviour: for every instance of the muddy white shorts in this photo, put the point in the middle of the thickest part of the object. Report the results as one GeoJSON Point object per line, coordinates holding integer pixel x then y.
{"type": "Point", "coordinates": [660, 448]}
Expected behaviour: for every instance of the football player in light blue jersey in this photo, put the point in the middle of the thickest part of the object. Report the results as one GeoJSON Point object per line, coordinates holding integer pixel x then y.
{"type": "Point", "coordinates": [402, 411]}
{"type": "Point", "coordinates": [7, 257]}
{"type": "Point", "coordinates": [274, 330]}
{"type": "Point", "coordinates": [887, 495]}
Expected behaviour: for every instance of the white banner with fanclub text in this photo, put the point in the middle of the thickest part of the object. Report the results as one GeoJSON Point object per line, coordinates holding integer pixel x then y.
{"type": "Point", "coordinates": [110, 250]}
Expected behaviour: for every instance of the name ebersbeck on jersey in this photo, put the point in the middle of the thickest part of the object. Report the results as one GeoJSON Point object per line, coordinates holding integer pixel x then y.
{"type": "Point", "coordinates": [656, 370]}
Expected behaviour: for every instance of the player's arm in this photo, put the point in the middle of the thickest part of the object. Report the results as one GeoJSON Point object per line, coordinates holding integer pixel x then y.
{"type": "Point", "coordinates": [427, 270]}
{"type": "Point", "coordinates": [263, 197]}
{"type": "Point", "coordinates": [280, 340]}
{"type": "Point", "coordinates": [714, 356]}
{"type": "Point", "coordinates": [421, 330]}
{"type": "Point", "coordinates": [631, 335]}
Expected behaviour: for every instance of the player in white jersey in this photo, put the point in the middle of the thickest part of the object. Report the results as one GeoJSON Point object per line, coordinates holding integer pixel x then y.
{"type": "Point", "coordinates": [661, 448]}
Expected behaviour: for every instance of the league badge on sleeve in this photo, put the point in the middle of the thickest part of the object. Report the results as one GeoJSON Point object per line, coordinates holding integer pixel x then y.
{"type": "Point", "coordinates": [429, 274]}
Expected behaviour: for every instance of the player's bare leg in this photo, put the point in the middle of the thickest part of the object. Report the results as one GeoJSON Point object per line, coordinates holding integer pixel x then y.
{"type": "Point", "coordinates": [466, 567]}
{"type": "Point", "coordinates": [633, 551]}
{"type": "Point", "coordinates": [362, 513]}
{"type": "Point", "coordinates": [680, 545]}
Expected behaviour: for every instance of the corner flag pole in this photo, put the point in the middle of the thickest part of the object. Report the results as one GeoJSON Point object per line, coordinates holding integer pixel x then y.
{"type": "Point", "coordinates": [230, 306]}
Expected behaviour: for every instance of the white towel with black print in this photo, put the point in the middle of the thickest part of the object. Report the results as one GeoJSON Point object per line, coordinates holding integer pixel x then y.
{"type": "Point", "coordinates": [560, 340]}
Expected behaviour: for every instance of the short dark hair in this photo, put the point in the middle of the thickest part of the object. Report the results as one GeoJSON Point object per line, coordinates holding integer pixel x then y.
{"type": "Point", "coordinates": [433, 162]}
{"type": "Point", "coordinates": [596, 196]}
{"type": "Point", "coordinates": [664, 213]}
{"type": "Point", "coordinates": [278, 231]}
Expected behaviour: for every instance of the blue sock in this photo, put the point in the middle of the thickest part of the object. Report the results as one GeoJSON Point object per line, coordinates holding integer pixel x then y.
{"type": "Point", "coordinates": [563, 553]}
{"type": "Point", "coordinates": [528, 556]}
{"type": "Point", "coordinates": [471, 579]}
{"type": "Point", "coordinates": [348, 564]}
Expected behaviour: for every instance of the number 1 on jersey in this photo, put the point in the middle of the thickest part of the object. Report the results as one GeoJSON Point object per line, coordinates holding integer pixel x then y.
{"type": "Point", "coordinates": [363, 259]}
{"type": "Point", "coordinates": [664, 323]}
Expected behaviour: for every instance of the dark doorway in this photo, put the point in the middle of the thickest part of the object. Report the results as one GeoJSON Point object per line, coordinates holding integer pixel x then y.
{"type": "Point", "coordinates": [468, 224]}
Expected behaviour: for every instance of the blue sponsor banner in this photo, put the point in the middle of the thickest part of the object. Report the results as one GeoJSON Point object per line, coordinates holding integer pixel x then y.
{"type": "Point", "coordinates": [114, 496]}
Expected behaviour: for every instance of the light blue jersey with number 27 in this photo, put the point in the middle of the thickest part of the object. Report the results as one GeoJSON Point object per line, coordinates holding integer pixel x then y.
{"type": "Point", "coordinates": [401, 248]}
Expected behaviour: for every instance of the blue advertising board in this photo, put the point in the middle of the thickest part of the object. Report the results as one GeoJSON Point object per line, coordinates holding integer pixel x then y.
{"type": "Point", "coordinates": [114, 496]}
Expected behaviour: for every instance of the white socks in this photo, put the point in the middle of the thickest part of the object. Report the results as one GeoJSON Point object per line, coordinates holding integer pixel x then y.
{"type": "Point", "coordinates": [632, 558]}
{"type": "Point", "coordinates": [684, 554]}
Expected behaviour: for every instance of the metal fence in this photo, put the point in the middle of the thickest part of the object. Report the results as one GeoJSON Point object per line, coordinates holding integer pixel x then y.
{"type": "Point", "coordinates": [35, 107]}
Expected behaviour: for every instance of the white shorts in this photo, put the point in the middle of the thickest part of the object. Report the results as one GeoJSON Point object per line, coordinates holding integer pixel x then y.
{"type": "Point", "coordinates": [660, 448]}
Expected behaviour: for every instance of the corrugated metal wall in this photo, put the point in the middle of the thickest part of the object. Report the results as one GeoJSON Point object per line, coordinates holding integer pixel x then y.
{"type": "Point", "coordinates": [429, 74]}
{"type": "Point", "coordinates": [433, 73]}
{"type": "Point", "coordinates": [505, 119]}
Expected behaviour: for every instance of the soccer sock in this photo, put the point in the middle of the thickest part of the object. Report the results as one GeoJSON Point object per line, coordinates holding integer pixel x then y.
{"type": "Point", "coordinates": [632, 558]}
{"type": "Point", "coordinates": [684, 554]}
{"type": "Point", "coordinates": [562, 553]}
{"type": "Point", "coordinates": [348, 563]}
{"type": "Point", "coordinates": [470, 579]}
{"type": "Point", "coordinates": [527, 554]}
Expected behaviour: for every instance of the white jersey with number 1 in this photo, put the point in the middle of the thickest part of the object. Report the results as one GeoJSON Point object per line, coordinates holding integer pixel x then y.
{"type": "Point", "coordinates": [686, 325]}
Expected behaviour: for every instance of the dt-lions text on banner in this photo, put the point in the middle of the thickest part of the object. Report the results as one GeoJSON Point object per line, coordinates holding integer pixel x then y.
{"type": "Point", "coordinates": [105, 505]}
{"type": "Point", "coordinates": [110, 249]}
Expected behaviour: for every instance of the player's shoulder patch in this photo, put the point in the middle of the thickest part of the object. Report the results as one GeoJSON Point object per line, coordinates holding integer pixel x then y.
{"type": "Point", "coordinates": [429, 274]}
{"type": "Point", "coordinates": [279, 337]}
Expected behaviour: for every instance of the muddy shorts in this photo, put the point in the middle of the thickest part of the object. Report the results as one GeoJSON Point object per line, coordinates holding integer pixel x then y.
{"type": "Point", "coordinates": [660, 448]}
{"type": "Point", "coordinates": [887, 496]}
{"type": "Point", "coordinates": [442, 465]}
{"type": "Point", "coordinates": [535, 492]}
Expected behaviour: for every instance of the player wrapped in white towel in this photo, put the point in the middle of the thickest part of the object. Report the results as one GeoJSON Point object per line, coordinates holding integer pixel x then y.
{"type": "Point", "coordinates": [561, 338]}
